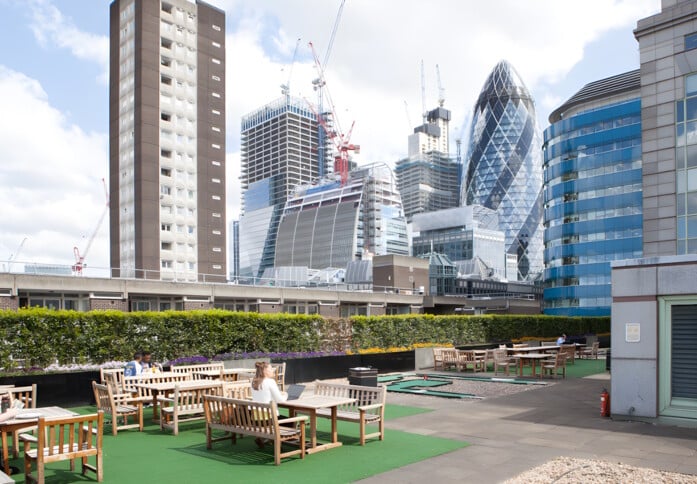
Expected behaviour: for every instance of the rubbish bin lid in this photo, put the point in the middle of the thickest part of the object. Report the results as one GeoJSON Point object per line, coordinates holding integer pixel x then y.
{"type": "Point", "coordinates": [361, 368]}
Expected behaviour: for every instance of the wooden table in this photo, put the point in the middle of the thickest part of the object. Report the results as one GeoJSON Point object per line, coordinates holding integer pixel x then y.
{"type": "Point", "coordinates": [533, 349]}
{"type": "Point", "coordinates": [9, 426]}
{"type": "Point", "coordinates": [533, 358]}
{"type": "Point", "coordinates": [310, 405]}
{"type": "Point", "coordinates": [168, 387]}
{"type": "Point", "coordinates": [215, 374]}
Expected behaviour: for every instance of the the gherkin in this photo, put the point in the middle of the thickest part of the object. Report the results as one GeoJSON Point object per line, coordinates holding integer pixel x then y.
{"type": "Point", "coordinates": [503, 168]}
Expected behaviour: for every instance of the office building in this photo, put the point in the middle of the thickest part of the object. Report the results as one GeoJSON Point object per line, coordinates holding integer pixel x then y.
{"type": "Point", "coordinates": [461, 234]}
{"type": "Point", "coordinates": [428, 179]}
{"type": "Point", "coordinates": [593, 194]}
{"type": "Point", "coordinates": [654, 298]}
{"type": "Point", "coordinates": [234, 249]}
{"type": "Point", "coordinates": [279, 153]}
{"type": "Point", "coordinates": [503, 166]}
{"type": "Point", "coordinates": [167, 140]}
{"type": "Point", "coordinates": [329, 225]}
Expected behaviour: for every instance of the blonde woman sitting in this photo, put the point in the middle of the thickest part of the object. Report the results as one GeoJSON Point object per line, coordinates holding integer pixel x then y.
{"type": "Point", "coordinates": [265, 389]}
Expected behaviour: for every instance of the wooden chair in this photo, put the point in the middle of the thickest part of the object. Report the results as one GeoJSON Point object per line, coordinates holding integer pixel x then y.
{"type": "Point", "coordinates": [119, 405]}
{"type": "Point", "coordinates": [26, 395]}
{"type": "Point", "coordinates": [552, 366]}
{"type": "Point", "coordinates": [591, 352]}
{"type": "Point", "coordinates": [450, 358]}
{"type": "Point", "coordinates": [183, 406]}
{"type": "Point", "coordinates": [280, 371]}
{"type": "Point", "coordinates": [570, 351]}
{"type": "Point", "coordinates": [502, 360]}
{"type": "Point", "coordinates": [116, 374]}
{"type": "Point", "coordinates": [218, 365]}
{"type": "Point", "coordinates": [437, 359]}
{"type": "Point", "coordinates": [468, 359]}
{"type": "Point", "coordinates": [239, 390]}
{"type": "Point", "coordinates": [252, 418]}
{"type": "Point", "coordinates": [56, 442]}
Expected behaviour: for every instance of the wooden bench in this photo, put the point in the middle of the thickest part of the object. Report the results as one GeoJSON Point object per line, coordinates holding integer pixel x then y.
{"type": "Point", "coordinates": [192, 369]}
{"type": "Point", "coordinates": [183, 405]}
{"type": "Point", "coordinates": [368, 408]}
{"type": "Point", "coordinates": [251, 418]}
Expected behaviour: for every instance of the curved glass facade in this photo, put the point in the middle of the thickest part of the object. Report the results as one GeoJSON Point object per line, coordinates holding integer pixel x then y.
{"type": "Point", "coordinates": [592, 205]}
{"type": "Point", "coordinates": [504, 166]}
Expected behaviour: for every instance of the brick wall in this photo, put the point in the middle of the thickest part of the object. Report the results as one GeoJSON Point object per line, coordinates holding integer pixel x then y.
{"type": "Point", "coordinates": [117, 304]}
{"type": "Point", "coordinates": [7, 302]}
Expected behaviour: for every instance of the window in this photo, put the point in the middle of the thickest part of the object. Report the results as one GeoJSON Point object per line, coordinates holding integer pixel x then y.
{"type": "Point", "coordinates": [215, 180]}
{"type": "Point", "coordinates": [215, 111]}
{"type": "Point", "coordinates": [215, 163]}
{"type": "Point", "coordinates": [217, 249]}
{"type": "Point", "coordinates": [216, 232]}
{"type": "Point", "coordinates": [165, 153]}
{"type": "Point", "coordinates": [691, 41]}
{"type": "Point", "coordinates": [216, 215]}
{"type": "Point", "coordinates": [166, 227]}
{"type": "Point", "coordinates": [215, 128]}
{"type": "Point", "coordinates": [215, 197]}
{"type": "Point", "coordinates": [165, 190]}
{"type": "Point", "coordinates": [166, 245]}
{"type": "Point", "coordinates": [215, 95]}
{"type": "Point", "coordinates": [166, 61]}
{"type": "Point", "coordinates": [217, 266]}
{"type": "Point", "coordinates": [215, 146]}
{"type": "Point", "coordinates": [166, 264]}
{"type": "Point", "coordinates": [216, 78]}
{"type": "Point", "coordinates": [215, 27]}
{"type": "Point", "coordinates": [215, 61]}
{"type": "Point", "coordinates": [215, 44]}
{"type": "Point", "coordinates": [166, 43]}
{"type": "Point", "coordinates": [165, 116]}
{"type": "Point", "coordinates": [167, 8]}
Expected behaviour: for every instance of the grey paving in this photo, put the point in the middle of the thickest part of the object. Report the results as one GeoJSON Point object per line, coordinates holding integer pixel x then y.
{"type": "Point", "coordinates": [514, 433]}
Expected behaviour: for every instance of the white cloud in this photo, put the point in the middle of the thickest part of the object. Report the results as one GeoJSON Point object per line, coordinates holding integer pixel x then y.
{"type": "Point", "coordinates": [50, 178]}
{"type": "Point", "coordinates": [50, 26]}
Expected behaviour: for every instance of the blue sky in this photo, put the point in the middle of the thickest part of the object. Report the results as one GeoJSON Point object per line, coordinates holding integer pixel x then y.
{"type": "Point", "coordinates": [54, 90]}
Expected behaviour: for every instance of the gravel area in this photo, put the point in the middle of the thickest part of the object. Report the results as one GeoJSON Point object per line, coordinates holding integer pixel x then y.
{"type": "Point", "coordinates": [567, 470]}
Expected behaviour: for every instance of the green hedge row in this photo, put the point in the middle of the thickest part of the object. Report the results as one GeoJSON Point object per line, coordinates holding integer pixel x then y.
{"type": "Point", "coordinates": [41, 337]}
{"type": "Point", "coordinates": [387, 331]}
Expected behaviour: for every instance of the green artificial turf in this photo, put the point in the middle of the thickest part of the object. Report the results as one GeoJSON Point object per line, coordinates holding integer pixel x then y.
{"type": "Point", "coordinates": [155, 456]}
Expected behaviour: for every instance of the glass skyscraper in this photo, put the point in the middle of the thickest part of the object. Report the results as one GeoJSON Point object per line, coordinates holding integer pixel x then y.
{"type": "Point", "coordinates": [503, 168]}
{"type": "Point", "coordinates": [593, 194]}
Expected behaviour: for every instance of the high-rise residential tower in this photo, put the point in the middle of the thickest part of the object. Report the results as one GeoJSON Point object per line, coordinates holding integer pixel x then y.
{"type": "Point", "coordinates": [167, 140]}
{"type": "Point", "coordinates": [279, 152]}
{"type": "Point", "coordinates": [593, 192]}
{"type": "Point", "coordinates": [503, 167]}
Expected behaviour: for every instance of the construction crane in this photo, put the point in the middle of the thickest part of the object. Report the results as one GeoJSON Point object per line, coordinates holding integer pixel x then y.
{"type": "Point", "coordinates": [285, 88]}
{"type": "Point", "coordinates": [318, 85]}
{"type": "Point", "coordinates": [406, 108]}
{"type": "Point", "coordinates": [15, 256]}
{"type": "Point", "coordinates": [441, 91]}
{"type": "Point", "coordinates": [341, 140]}
{"type": "Point", "coordinates": [80, 258]}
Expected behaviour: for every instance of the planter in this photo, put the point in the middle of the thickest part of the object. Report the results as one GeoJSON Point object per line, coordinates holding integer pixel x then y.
{"type": "Point", "coordinates": [60, 389]}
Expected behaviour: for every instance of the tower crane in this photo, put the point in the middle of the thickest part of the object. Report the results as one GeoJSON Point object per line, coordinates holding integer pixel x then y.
{"type": "Point", "coordinates": [318, 85]}
{"type": "Point", "coordinates": [341, 140]}
{"type": "Point", "coordinates": [80, 258]}
{"type": "Point", "coordinates": [285, 88]}
{"type": "Point", "coordinates": [15, 256]}
{"type": "Point", "coordinates": [441, 91]}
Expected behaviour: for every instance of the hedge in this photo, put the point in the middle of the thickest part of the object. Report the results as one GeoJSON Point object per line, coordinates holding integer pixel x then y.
{"type": "Point", "coordinates": [41, 336]}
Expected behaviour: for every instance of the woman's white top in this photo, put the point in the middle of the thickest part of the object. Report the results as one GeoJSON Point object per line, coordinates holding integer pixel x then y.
{"type": "Point", "coordinates": [268, 392]}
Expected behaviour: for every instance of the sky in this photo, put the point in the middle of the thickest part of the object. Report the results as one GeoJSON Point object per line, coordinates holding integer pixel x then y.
{"type": "Point", "coordinates": [54, 115]}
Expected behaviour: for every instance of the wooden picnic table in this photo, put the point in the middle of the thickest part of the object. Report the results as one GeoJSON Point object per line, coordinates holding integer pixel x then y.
{"type": "Point", "coordinates": [26, 418]}
{"type": "Point", "coordinates": [310, 405]}
{"type": "Point", "coordinates": [533, 358]}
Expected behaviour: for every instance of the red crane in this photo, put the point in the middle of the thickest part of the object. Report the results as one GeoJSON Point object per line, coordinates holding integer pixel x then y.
{"type": "Point", "coordinates": [342, 142]}
{"type": "Point", "coordinates": [80, 258]}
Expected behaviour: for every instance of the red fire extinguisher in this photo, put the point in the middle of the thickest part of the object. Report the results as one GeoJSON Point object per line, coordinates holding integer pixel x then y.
{"type": "Point", "coordinates": [604, 403]}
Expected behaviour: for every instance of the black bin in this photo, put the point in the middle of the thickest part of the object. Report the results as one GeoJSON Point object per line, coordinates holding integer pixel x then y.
{"type": "Point", "coordinates": [608, 361]}
{"type": "Point", "coordinates": [367, 377]}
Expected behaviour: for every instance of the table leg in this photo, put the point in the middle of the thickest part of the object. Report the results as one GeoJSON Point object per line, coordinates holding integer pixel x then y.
{"type": "Point", "coordinates": [520, 367]}
{"type": "Point", "coordinates": [534, 366]}
{"type": "Point", "coordinates": [5, 454]}
{"type": "Point", "coordinates": [313, 428]}
{"type": "Point", "coordinates": [335, 436]}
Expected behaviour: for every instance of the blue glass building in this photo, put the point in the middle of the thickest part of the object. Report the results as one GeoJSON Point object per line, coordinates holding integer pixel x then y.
{"type": "Point", "coordinates": [592, 194]}
{"type": "Point", "coordinates": [504, 166]}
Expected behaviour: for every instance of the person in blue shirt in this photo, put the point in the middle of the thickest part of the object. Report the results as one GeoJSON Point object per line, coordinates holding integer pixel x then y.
{"type": "Point", "coordinates": [561, 340]}
{"type": "Point", "coordinates": [134, 368]}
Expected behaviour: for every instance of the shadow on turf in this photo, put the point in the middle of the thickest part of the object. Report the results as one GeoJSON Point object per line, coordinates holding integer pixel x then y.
{"type": "Point", "coordinates": [245, 451]}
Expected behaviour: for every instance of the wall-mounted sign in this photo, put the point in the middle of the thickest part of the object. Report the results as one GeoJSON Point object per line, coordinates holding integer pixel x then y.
{"type": "Point", "coordinates": [632, 332]}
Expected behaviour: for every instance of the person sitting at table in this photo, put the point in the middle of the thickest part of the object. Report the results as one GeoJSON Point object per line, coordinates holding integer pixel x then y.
{"type": "Point", "coordinates": [265, 389]}
{"type": "Point", "coordinates": [9, 414]}
{"type": "Point", "coordinates": [561, 339]}
{"type": "Point", "coordinates": [135, 367]}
